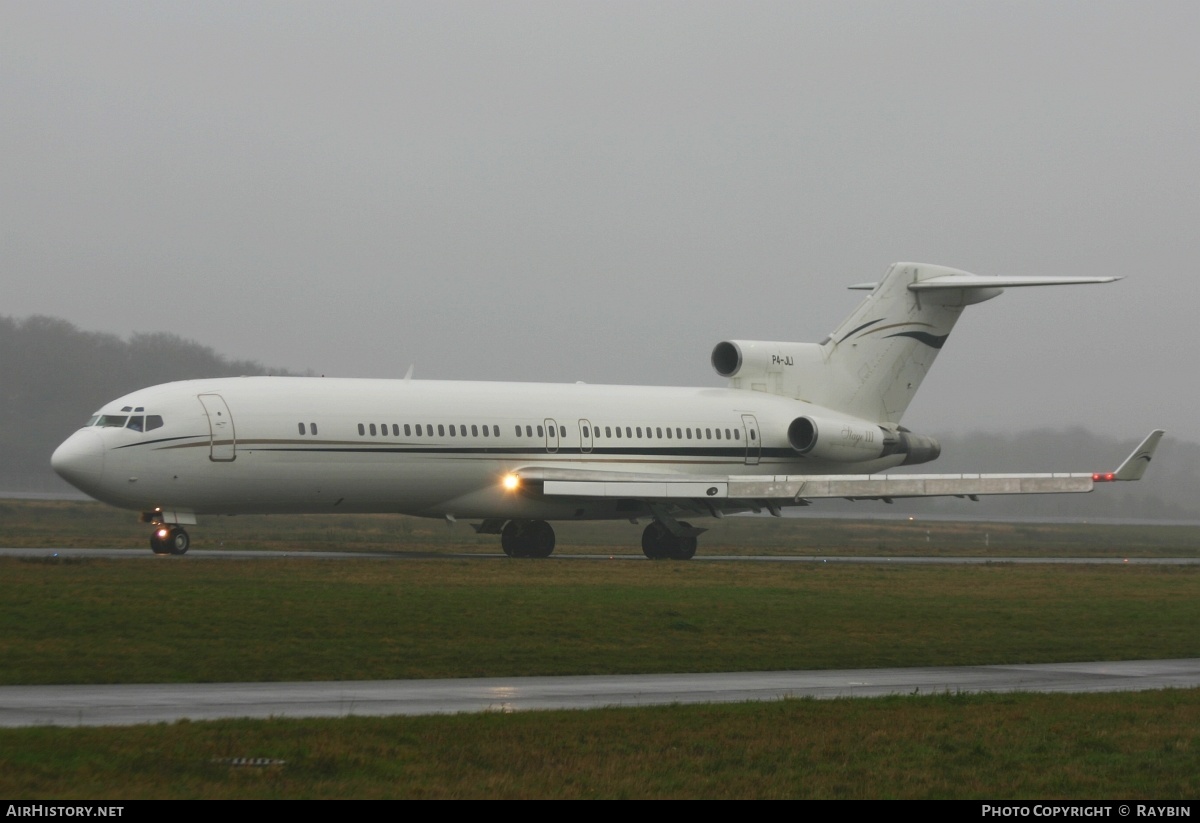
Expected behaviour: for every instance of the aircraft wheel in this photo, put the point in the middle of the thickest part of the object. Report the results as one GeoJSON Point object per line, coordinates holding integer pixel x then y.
{"type": "Point", "coordinates": [178, 541]}
{"type": "Point", "coordinates": [169, 540]}
{"type": "Point", "coordinates": [512, 539]}
{"type": "Point", "coordinates": [539, 539]}
{"type": "Point", "coordinates": [656, 541]}
{"type": "Point", "coordinates": [684, 548]}
{"type": "Point", "coordinates": [158, 542]}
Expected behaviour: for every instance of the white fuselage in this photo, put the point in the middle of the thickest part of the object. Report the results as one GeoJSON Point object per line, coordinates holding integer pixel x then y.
{"type": "Point", "coordinates": [428, 448]}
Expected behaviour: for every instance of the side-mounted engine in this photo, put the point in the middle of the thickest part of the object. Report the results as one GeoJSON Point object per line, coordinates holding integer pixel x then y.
{"type": "Point", "coordinates": [841, 439]}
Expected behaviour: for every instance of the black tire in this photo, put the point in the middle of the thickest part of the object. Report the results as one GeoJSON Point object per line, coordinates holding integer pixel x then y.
{"type": "Point", "coordinates": [177, 541]}
{"type": "Point", "coordinates": [684, 548]}
{"type": "Point", "coordinates": [512, 539]}
{"type": "Point", "coordinates": [158, 545]}
{"type": "Point", "coordinates": [656, 541]}
{"type": "Point", "coordinates": [539, 539]}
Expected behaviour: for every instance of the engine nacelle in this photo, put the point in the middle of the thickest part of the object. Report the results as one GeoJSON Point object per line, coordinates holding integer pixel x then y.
{"type": "Point", "coordinates": [916, 448]}
{"type": "Point", "coordinates": [837, 438]}
{"type": "Point", "coordinates": [842, 439]}
{"type": "Point", "coordinates": [788, 369]}
{"type": "Point", "coordinates": [742, 358]}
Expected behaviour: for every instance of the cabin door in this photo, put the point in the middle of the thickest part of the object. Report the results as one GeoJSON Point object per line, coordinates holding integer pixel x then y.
{"type": "Point", "coordinates": [585, 437]}
{"type": "Point", "coordinates": [753, 440]}
{"type": "Point", "coordinates": [551, 436]}
{"type": "Point", "coordinates": [223, 442]}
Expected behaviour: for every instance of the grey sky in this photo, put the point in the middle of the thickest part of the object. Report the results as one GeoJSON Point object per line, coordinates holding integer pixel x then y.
{"type": "Point", "coordinates": [602, 191]}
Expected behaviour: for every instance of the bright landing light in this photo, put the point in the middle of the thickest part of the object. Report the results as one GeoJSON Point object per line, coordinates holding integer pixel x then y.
{"type": "Point", "coordinates": [510, 482]}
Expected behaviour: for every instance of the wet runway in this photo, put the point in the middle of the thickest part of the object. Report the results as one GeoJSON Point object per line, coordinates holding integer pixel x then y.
{"type": "Point", "coordinates": [132, 704]}
{"type": "Point", "coordinates": [236, 554]}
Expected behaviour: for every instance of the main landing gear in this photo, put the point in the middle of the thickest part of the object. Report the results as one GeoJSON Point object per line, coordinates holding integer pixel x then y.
{"type": "Point", "coordinates": [169, 540]}
{"type": "Point", "coordinates": [658, 543]}
{"type": "Point", "coordinates": [527, 538]}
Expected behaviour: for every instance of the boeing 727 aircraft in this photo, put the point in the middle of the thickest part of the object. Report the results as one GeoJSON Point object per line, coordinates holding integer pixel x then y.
{"type": "Point", "coordinates": [798, 422]}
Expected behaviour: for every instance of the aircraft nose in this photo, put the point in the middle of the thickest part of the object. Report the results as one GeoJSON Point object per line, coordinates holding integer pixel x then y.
{"type": "Point", "coordinates": [80, 460]}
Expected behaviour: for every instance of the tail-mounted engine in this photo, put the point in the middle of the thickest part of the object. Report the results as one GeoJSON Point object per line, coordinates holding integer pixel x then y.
{"type": "Point", "coordinates": [779, 368]}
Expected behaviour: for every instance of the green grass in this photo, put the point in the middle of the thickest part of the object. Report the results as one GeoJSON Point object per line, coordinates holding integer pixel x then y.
{"type": "Point", "coordinates": [166, 620]}
{"type": "Point", "coordinates": [91, 620]}
{"type": "Point", "coordinates": [1116, 746]}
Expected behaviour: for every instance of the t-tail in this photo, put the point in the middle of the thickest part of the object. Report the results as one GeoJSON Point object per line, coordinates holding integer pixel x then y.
{"type": "Point", "coordinates": [871, 366]}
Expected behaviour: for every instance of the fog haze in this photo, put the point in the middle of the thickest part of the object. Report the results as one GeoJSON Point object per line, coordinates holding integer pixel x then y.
{"type": "Point", "coordinates": [602, 191]}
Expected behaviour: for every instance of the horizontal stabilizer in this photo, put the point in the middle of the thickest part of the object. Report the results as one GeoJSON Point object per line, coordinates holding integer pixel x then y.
{"type": "Point", "coordinates": [975, 281]}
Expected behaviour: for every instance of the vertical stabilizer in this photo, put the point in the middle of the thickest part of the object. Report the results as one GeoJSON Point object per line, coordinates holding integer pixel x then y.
{"type": "Point", "coordinates": [880, 354]}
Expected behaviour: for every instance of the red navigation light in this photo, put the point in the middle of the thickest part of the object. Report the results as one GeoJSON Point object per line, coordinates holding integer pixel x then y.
{"type": "Point", "coordinates": [1103, 477]}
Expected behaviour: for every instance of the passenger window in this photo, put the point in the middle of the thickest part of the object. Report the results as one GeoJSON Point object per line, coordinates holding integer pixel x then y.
{"type": "Point", "coordinates": [407, 430]}
{"type": "Point", "coordinates": [312, 428]}
{"type": "Point", "coordinates": [752, 435]}
{"type": "Point", "coordinates": [541, 432]}
{"type": "Point", "coordinates": [562, 431]}
{"type": "Point", "coordinates": [628, 432]}
{"type": "Point", "coordinates": [727, 434]}
{"type": "Point", "coordinates": [608, 431]}
{"type": "Point", "coordinates": [475, 430]}
{"type": "Point", "coordinates": [689, 434]}
{"type": "Point", "coordinates": [618, 431]}
{"type": "Point", "coordinates": [737, 434]}
{"type": "Point", "coordinates": [708, 433]}
{"type": "Point", "coordinates": [441, 430]}
{"type": "Point", "coordinates": [678, 434]}
{"type": "Point", "coordinates": [585, 432]}
{"type": "Point", "coordinates": [658, 432]}
{"type": "Point", "coordinates": [462, 429]}
{"type": "Point", "coordinates": [518, 430]}
{"type": "Point", "coordinates": [529, 431]}
{"type": "Point", "coordinates": [395, 430]}
{"type": "Point", "coordinates": [135, 423]}
{"type": "Point", "coordinates": [452, 431]}
{"type": "Point", "coordinates": [496, 430]}
{"type": "Point", "coordinates": [372, 429]}
{"type": "Point", "coordinates": [718, 434]}
{"type": "Point", "coordinates": [361, 429]}
{"type": "Point", "coordinates": [668, 432]}
{"type": "Point", "coordinates": [383, 429]}
{"type": "Point", "coordinates": [301, 426]}
{"type": "Point", "coordinates": [153, 421]}
{"type": "Point", "coordinates": [639, 431]}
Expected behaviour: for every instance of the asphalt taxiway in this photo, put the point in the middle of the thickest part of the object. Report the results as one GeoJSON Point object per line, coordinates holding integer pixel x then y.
{"type": "Point", "coordinates": [110, 705]}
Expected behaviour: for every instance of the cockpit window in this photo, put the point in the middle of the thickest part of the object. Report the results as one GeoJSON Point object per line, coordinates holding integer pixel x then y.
{"type": "Point", "coordinates": [137, 422]}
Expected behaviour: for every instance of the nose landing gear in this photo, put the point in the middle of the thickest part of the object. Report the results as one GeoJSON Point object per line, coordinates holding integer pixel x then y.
{"type": "Point", "coordinates": [169, 540]}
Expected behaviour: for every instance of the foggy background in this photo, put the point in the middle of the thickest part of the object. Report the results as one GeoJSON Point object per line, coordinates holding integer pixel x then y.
{"type": "Point", "coordinates": [597, 191]}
